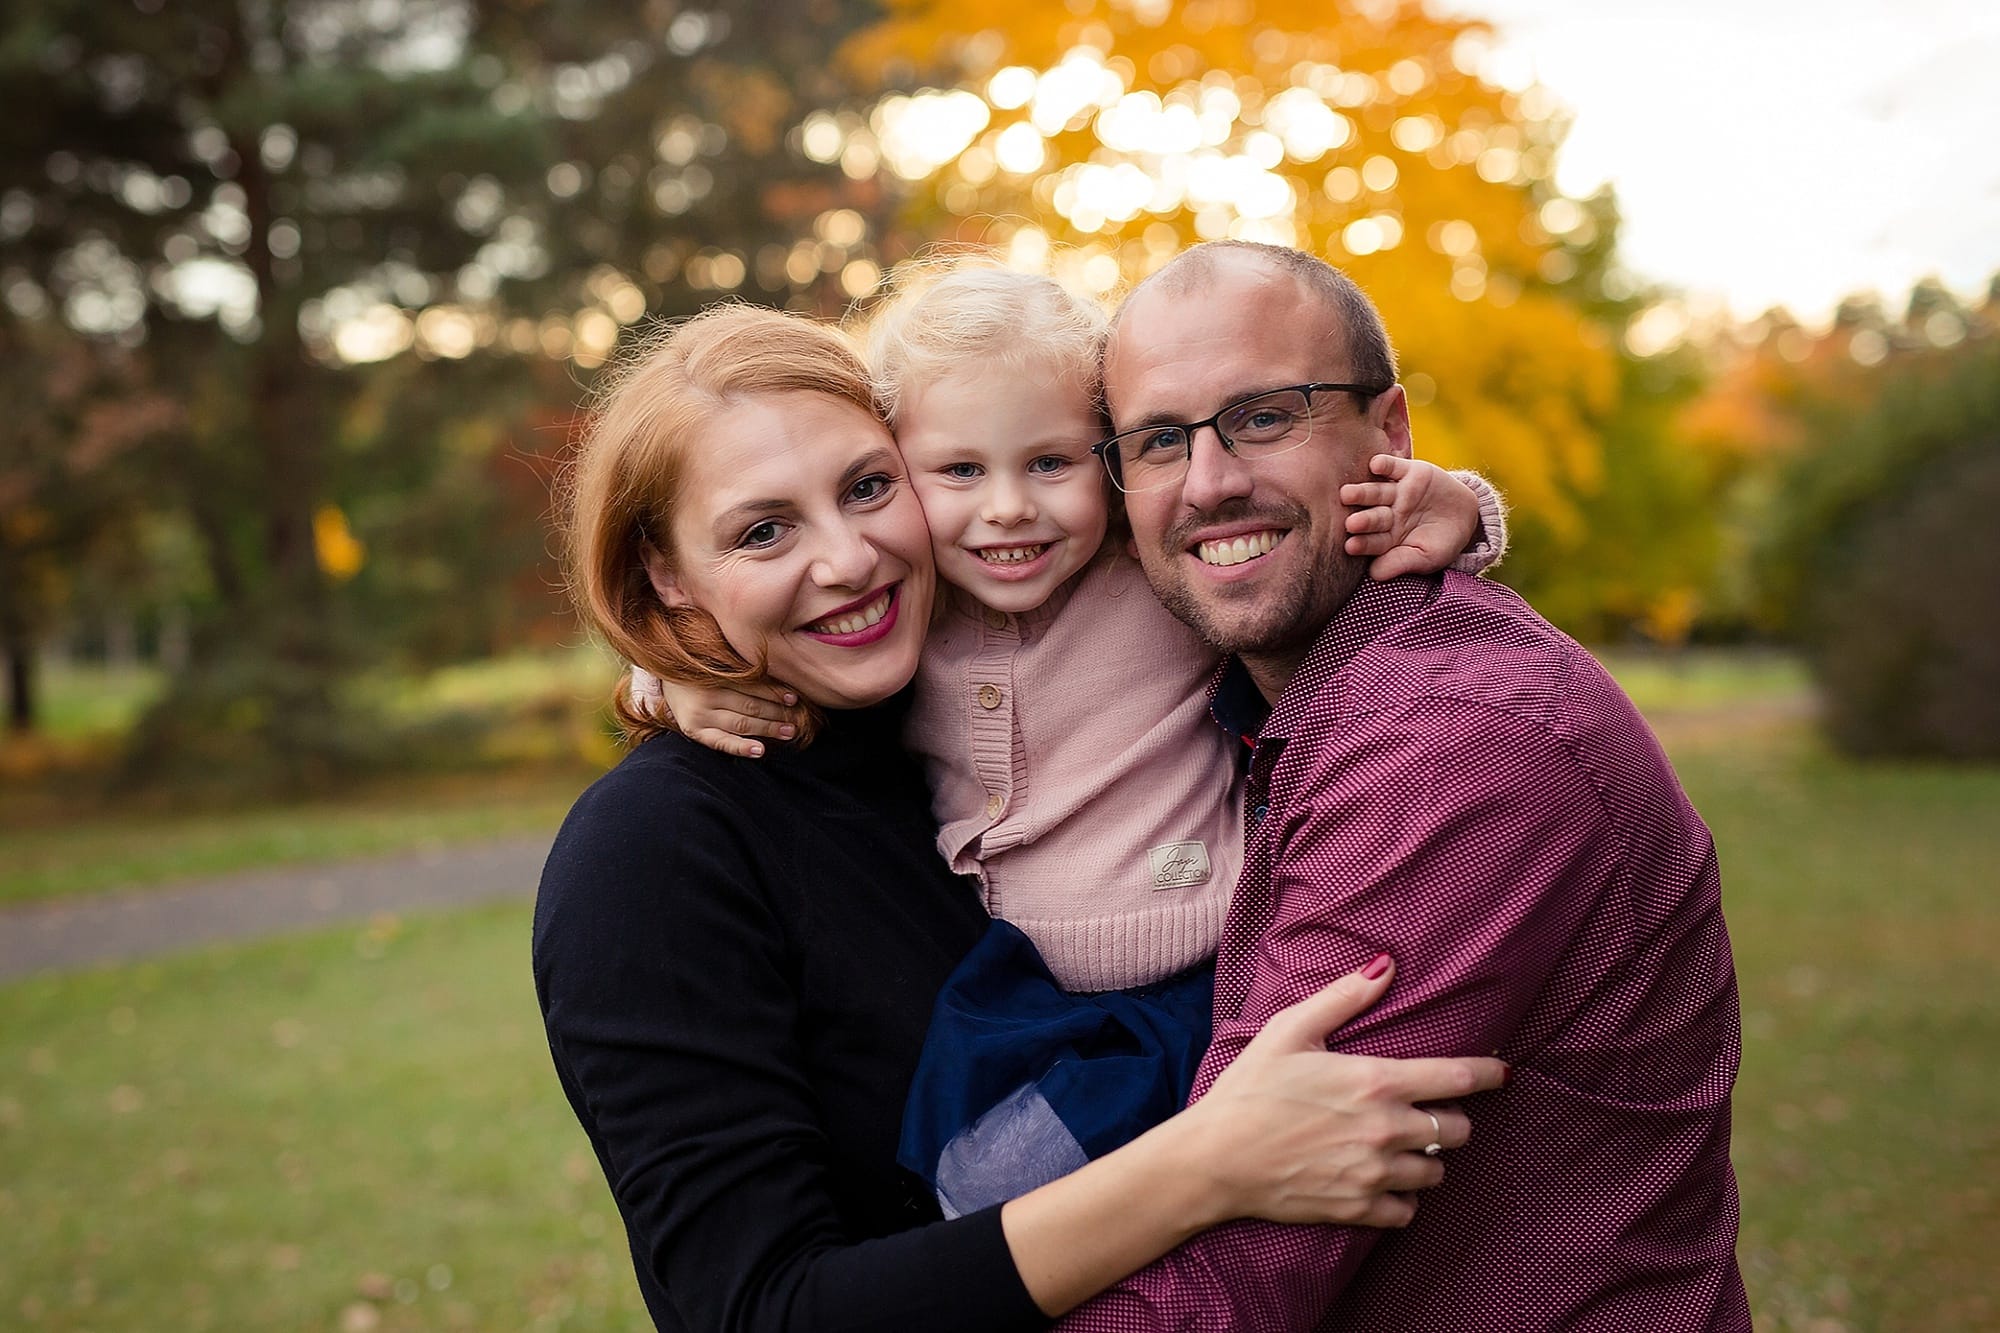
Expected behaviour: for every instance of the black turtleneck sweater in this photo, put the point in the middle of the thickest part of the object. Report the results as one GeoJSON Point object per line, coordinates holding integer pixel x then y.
{"type": "Point", "coordinates": [736, 961]}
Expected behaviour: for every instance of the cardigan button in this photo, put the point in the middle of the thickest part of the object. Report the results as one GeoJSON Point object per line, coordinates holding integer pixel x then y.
{"type": "Point", "coordinates": [994, 805]}
{"type": "Point", "coordinates": [989, 697]}
{"type": "Point", "coordinates": [995, 618]}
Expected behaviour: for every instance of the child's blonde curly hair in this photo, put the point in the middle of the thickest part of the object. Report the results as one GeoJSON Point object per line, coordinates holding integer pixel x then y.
{"type": "Point", "coordinates": [942, 315]}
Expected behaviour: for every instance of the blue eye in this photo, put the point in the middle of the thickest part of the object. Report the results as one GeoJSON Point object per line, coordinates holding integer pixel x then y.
{"type": "Point", "coordinates": [961, 471]}
{"type": "Point", "coordinates": [763, 534]}
{"type": "Point", "coordinates": [871, 487]}
{"type": "Point", "coordinates": [1261, 423]}
{"type": "Point", "coordinates": [1166, 440]}
{"type": "Point", "coordinates": [1048, 465]}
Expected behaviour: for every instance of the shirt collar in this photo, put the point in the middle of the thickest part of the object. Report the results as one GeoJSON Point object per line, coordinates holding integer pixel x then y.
{"type": "Point", "coordinates": [1235, 701]}
{"type": "Point", "coordinates": [1239, 706]}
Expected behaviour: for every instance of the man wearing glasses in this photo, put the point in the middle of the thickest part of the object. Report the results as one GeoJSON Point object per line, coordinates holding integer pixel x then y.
{"type": "Point", "coordinates": [1438, 774]}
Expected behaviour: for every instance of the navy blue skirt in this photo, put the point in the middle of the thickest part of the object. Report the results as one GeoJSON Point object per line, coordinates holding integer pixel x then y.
{"type": "Point", "coordinates": [1021, 1082]}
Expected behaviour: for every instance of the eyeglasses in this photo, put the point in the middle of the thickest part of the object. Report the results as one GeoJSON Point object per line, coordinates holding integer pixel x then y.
{"type": "Point", "coordinates": [1260, 426]}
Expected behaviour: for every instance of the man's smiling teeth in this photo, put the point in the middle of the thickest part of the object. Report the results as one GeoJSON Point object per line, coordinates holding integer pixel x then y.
{"type": "Point", "coordinates": [1010, 555]}
{"type": "Point", "coordinates": [855, 621]}
{"type": "Point", "coordinates": [1236, 550]}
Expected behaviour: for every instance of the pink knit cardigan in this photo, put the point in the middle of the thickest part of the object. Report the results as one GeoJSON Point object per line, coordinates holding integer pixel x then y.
{"type": "Point", "coordinates": [1075, 770]}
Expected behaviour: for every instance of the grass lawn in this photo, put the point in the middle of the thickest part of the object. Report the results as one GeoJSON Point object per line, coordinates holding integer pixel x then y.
{"type": "Point", "coordinates": [355, 1130]}
{"type": "Point", "coordinates": [359, 1130]}
{"type": "Point", "coordinates": [541, 746]}
{"type": "Point", "coordinates": [107, 850]}
{"type": "Point", "coordinates": [80, 700]}
{"type": "Point", "coordinates": [1861, 903]}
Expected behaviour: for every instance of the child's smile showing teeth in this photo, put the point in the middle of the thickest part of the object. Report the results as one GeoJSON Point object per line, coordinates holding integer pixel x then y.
{"type": "Point", "coordinates": [1011, 555]}
{"type": "Point", "coordinates": [1238, 550]}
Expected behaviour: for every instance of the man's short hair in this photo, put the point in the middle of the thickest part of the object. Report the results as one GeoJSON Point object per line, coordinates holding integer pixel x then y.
{"type": "Point", "coordinates": [1371, 359]}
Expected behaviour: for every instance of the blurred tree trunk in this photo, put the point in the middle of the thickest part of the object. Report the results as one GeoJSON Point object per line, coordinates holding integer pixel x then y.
{"type": "Point", "coordinates": [18, 647]}
{"type": "Point", "coordinates": [286, 439]}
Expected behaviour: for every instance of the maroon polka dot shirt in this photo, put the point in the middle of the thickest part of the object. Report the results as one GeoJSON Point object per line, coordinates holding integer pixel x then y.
{"type": "Point", "coordinates": [1452, 781]}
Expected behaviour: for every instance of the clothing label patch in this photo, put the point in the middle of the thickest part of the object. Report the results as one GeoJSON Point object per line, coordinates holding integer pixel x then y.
{"type": "Point", "coordinates": [1176, 865]}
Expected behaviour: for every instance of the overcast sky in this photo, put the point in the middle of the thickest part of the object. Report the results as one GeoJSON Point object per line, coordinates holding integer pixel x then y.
{"type": "Point", "coordinates": [1772, 152]}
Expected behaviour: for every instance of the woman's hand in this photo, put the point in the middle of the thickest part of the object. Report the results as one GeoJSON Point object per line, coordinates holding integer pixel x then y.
{"type": "Point", "coordinates": [1302, 1134]}
{"type": "Point", "coordinates": [1289, 1132]}
{"type": "Point", "coordinates": [723, 719]}
{"type": "Point", "coordinates": [1417, 520]}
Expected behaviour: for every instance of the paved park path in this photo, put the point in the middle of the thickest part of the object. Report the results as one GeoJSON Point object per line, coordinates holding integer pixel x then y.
{"type": "Point", "coordinates": [77, 932]}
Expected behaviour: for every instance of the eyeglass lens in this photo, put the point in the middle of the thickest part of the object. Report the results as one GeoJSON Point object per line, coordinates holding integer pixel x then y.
{"type": "Point", "coordinates": [1158, 455]}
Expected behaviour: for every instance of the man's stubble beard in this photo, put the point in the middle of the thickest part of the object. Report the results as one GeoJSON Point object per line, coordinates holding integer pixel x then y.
{"type": "Point", "coordinates": [1281, 621]}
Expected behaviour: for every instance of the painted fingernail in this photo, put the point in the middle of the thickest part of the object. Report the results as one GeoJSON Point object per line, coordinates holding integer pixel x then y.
{"type": "Point", "coordinates": [756, 752]}
{"type": "Point", "coordinates": [1506, 1074]}
{"type": "Point", "coordinates": [791, 698]}
{"type": "Point", "coordinates": [787, 731]}
{"type": "Point", "coordinates": [1376, 966]}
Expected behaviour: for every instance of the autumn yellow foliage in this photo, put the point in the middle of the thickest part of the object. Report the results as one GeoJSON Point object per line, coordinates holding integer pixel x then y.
{"type": "Point", "coordinates": [339, 552]}
{"type": "Point", "coordinates": [1110, 134]}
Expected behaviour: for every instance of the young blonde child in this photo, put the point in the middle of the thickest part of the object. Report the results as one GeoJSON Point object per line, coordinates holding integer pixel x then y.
{"type": "Point", "coordinates": [1062, 716]}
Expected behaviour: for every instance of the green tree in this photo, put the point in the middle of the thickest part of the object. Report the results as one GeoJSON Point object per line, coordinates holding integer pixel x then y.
{"type": "Point", "coordinates": [196, 178]}
{"type": "Point", "coordinates": [1878, 552]}
{"type": "Point", "coordinates": [320, 226]}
